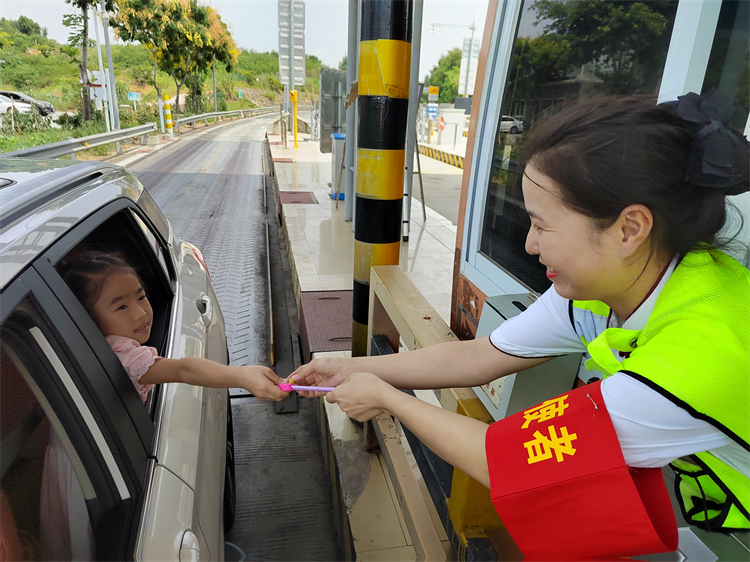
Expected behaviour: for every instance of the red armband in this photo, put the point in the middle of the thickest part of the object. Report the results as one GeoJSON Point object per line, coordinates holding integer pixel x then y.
{"type": "Point", "coordinates": [561, 487]}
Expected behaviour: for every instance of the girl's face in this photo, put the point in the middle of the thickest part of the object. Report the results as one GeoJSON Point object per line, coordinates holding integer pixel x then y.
{"type": "Point", "coordinates": [581, 262]}
{"type": "Point", "coordinates": [123, 309]}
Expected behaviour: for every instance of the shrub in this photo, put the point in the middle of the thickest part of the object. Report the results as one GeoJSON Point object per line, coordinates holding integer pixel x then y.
{"type": "Point", "coordinates": [15, 123]}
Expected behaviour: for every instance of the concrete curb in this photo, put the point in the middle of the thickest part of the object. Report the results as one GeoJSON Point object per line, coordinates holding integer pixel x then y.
{"type": "Point", "coordinates": [447, 157]}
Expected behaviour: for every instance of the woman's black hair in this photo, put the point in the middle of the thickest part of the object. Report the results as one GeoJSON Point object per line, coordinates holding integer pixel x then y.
{"type": "Point", "coordinates": [608, 154]}
{"type": "Point", "coordinates": [87, 273]}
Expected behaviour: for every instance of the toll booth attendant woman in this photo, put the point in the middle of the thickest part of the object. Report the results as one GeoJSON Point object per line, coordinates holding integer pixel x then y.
{"type": "Point", "coordinates": [626, 199]}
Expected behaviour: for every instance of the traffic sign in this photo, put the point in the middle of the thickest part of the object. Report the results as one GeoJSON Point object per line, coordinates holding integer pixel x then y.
{"type": "Point", "coordinates": [240, 93]}
{"type": "Point", "coordinates": [433, 92]}
{"type": "Point", "coordinates": [441, 123]}
{"type": "Point", "coordinates": [134, 96]}
{"type": "Point", "coordinates": [432, 111]}
{"type": "Point", "coordinates": [292, 38]}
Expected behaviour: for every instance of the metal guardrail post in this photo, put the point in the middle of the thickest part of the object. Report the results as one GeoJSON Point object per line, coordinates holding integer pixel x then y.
{"type": "Point", "coordinates": [72, 154]}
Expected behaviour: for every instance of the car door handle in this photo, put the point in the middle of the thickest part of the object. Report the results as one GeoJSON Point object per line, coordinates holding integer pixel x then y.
{"type": "Point", "coordinates": [206, 307]}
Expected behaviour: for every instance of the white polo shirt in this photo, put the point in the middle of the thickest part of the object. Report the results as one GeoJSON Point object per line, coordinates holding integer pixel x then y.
{"type": "Point", "coordinates": [652, 430]}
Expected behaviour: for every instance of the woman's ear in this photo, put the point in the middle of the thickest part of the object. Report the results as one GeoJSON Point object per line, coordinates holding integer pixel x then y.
{"type": "Point", "coordinates": [634, 226]}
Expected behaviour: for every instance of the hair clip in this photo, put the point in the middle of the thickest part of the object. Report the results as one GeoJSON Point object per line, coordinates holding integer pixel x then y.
{"type": "Point", "coordinates": [720, 156]}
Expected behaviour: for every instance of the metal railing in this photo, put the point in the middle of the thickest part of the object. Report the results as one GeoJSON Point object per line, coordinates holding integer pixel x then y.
{"type": "Point", "coordinates": [241, 113]}
{"type": "Point", "coordinates": [71, 145]}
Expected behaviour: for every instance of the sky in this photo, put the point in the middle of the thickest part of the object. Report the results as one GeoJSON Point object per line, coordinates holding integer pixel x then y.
{"type": "Point", "coordinates": [254, 24]}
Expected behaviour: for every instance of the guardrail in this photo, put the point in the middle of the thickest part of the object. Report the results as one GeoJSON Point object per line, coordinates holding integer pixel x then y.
{"type": "Point", "coordinates": [71, 145]}
{"type": "Point", "coordinates": [216, 115]}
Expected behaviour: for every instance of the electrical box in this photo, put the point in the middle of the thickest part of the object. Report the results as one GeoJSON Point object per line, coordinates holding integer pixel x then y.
{"type": "Point", "coordinates": [511, 394]}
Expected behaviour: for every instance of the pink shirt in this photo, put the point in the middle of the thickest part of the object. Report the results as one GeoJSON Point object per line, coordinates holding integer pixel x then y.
{"type": "Point", "coordinates": [136, 358]}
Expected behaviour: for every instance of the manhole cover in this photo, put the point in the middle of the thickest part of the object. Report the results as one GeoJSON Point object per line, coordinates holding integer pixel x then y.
{"type": "Point", "coordinates": [298, 197]}
{"type": "Point", "coordinates": [325, 321]}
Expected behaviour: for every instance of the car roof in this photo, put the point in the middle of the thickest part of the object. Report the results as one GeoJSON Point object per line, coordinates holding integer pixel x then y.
{"type": "Point", "coordinates": [41, 199]}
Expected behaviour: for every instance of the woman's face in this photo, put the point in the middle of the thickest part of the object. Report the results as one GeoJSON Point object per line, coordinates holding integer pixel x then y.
{"type": "Point", "coordinates": [581, 262]}
{"type": "Point", "coordinates": [123, 309]}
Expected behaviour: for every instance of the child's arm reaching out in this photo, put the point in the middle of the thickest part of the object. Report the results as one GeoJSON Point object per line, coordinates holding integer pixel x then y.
{"type": "Point", "coordinates": [259, 380]}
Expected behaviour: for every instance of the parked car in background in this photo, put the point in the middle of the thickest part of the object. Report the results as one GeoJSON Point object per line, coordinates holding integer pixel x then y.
{"type": "Point", "coordinates": [7, 104]}
{"type": "Point", "coordinates": [154, 481]}
{"type": "Point", "coordinates": [510, 125]}
{"type": "Point", "coordinates": [45, 108]}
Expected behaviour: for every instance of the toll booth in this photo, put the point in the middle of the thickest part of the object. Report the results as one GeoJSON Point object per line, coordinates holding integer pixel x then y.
{"type": "Point", "coordinates": [697, 46]}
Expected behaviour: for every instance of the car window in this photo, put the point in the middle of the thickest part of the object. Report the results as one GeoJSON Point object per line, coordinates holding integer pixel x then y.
{"type": "Point", "coordinates": [127, 234]}
{"type": "Point", "coordinates": [154, 243]}
{"type": "Point", "coordinates": [59, 474]}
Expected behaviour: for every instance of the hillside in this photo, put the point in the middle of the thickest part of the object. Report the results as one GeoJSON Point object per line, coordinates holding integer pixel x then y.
{"type": "Point", "coordinates": [39, 65]}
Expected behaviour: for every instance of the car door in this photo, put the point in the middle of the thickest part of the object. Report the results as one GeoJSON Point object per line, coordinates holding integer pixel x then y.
{"type": "Point", "coordinates": [73, 466]}
{"type": "Point", "coordinates": [183, 427]}
{"type": "Point", "coordinates": [202, 330]}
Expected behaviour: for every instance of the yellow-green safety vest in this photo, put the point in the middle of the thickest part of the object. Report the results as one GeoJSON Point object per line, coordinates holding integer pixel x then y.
{"type": "Point", "coordinates": [695, 351]}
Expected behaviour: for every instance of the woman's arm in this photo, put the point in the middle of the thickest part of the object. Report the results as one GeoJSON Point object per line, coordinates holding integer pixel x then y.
{"type": "Point", "coordinates": [457, 439]}
{"type": "Point", "coordinates": [259, 380]}
{"type": "Point", "coordinates": [445, 365]}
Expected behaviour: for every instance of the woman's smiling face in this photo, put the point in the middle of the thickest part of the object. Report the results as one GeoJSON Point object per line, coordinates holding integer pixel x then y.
{"type": "Point", "coordinates": [581, 261]}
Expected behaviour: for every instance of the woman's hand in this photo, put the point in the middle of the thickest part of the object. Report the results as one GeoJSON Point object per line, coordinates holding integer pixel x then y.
{"type": "Point", "coordinates": [261, 381]}
{"type": "Point", "coordinates": [362, 396]}
{"type": "Point", "coordinates": [324, 371]}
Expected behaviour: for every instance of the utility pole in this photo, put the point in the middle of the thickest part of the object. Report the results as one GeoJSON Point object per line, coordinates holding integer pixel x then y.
{"type": "Point", "coordinates": [468, 64]}
{"type": "Point", "coordinates": [113, 87]}
{"type": "Point", "coordinates": [213, 66]}
{"type": "Point", "coordinates": [106, 101]}
{"type": "Point", "coordinates": [415, 93]}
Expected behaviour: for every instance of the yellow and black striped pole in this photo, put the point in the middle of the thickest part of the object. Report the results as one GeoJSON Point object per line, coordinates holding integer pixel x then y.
{"type": "Point", "coordinates": [383, 103]}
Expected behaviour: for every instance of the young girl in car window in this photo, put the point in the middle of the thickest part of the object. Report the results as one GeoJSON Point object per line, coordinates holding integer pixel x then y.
{"type": "Point", "coordinates": [112, 293]}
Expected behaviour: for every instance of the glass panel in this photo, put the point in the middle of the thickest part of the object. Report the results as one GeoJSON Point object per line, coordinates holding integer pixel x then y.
{"type": "Point", "coordinates": [729, 63]}
{"type": "Point", "coordinates": [566, 52]}
{"type": "Point", "coordinates": [42, 501]}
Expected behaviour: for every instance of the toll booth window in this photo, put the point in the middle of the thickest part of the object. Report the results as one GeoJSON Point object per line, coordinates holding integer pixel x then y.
{"type": "Point", "coordinates": [565, 52]}
{"type": "Point", "coordinates": [728, 67]}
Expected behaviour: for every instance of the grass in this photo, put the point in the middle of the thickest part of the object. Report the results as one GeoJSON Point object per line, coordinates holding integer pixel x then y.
{"type": "Point", "coordinates": [17, 142]}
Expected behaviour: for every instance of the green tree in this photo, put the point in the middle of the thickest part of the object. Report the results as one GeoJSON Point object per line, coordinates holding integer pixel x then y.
{"type": "Point", "coordinates": [27, 26]}
{"type": "Point", "coordinates": [217, 45]}
{"type": "Point", "coordinates": [5, 40]}
{"type": "Point", "coordinates": [342, 63]}
{"type": "Point", "coordinates": [153, 24]}
{"type": "Point", "coordinates": [445, 76]}
{"type": "Point", "coordinates": [618, 38]}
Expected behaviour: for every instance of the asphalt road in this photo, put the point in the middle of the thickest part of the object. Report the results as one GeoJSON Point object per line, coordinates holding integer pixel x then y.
{"type": "Point", "coordinates": [210, 186]}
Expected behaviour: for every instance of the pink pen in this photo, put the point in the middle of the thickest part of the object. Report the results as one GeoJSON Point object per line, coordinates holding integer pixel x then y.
{"type": "Point", "coordinates": [288, 387]}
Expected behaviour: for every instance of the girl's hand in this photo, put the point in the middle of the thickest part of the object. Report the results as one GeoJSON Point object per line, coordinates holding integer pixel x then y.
{"type": "Point", "coordinates": [261, 381]}
{"type": "Point", "coordinates": [325, 371]}
{"type": "Point", "coordinates": [362, 396]}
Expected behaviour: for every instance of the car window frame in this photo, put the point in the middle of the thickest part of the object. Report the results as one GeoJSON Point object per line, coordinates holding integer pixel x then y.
{"type": "Point", "coordinates": [143, 418]}
{"type": "Point", "coordinates": [115, 465]}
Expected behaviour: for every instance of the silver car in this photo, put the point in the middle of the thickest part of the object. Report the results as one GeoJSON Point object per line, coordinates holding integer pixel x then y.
{"type": "Point", "coordinates": [7, 104]}
{"type": "Point", "coordinates": [153, 482]}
